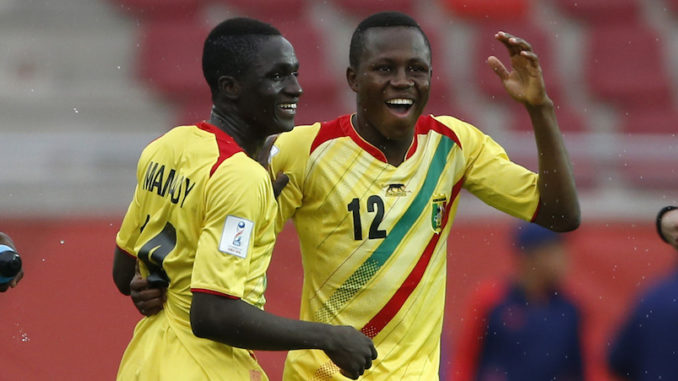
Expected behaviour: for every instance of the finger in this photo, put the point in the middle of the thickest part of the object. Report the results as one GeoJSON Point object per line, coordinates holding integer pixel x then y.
{"type": "Point", "coordinates": [374, 352]}
{"type": "Point", "coordinates": [280, 182]}
{"type": "Point", "coordinates": [4, 287]}
{"type": "Point", "coordinates": [136, 268]}
{"type": "Point", "coordinates": [531, 56]}
{"type": "Point", "coordinates": [498, 67]}
{"type": "Point", "coordinates": [348, 374]}
{"type": "Point", "coordinates": [368, 363]}
{"type": "Point", "coordinates": [514, 44]}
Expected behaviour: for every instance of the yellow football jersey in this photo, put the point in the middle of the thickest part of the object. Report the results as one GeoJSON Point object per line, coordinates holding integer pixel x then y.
{"type": "Point", "coordinates": [202, 219]}
{"type": "Point", "coordinates": [374, 237]}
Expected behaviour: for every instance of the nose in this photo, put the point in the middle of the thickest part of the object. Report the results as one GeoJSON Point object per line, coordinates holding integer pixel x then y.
{"type": "Point", "coordinates": [401, 80]}
{"type": "Point", "coordinates": [293, 88]}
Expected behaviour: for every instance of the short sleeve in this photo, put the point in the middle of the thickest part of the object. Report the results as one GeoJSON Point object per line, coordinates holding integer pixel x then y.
{"type": "Point", "coordinates": [238, 227]}
{"type": "Point", "coordinates": [494, 179]}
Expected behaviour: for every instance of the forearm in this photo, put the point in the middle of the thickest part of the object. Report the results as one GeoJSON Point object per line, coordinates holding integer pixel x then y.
{"type": "Point", "coordinates": [236, 323]}
{"type": "Point", "coordinates": [123, 270]}
{"type": "Point", "coordinates": [559, 204]}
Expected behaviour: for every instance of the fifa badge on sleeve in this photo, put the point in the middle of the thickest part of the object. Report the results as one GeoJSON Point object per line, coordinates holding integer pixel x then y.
{"type": "Point", "coordinates": [438, 203]}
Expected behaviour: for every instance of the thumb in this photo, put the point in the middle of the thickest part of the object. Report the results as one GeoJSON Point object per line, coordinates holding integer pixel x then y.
{"type": "Point", "coordinates": [498, 67]}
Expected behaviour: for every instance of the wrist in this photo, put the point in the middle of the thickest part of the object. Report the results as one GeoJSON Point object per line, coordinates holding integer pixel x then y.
{"type": "Point", "coordinates": [545, 104]}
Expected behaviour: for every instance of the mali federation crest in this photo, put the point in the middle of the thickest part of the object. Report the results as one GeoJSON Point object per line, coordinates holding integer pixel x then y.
{"type": "Point", "coordinates": [438, 203]}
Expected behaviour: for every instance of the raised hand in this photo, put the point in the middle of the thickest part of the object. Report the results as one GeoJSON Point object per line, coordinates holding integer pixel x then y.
{"type": "Point", "coordinates": [351, 351]}
{"type": "Point", "coordinates": [525, 82]}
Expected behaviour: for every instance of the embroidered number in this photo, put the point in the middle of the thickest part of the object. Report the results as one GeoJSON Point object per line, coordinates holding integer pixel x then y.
{"type": "Point", "coordinates": [153, 253]}
{"type": "Point", "coordinates": [374, 204]}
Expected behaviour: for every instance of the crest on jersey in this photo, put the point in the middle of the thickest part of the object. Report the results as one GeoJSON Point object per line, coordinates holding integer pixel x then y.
{"type": "Point", "coordinates": [396, 190]}
{"type": "Point", "coordinates": [438, 203]}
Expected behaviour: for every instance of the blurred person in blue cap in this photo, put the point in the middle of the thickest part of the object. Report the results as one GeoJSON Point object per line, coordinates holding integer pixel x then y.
{"type": "Point", "coordinates": [524, 328]}
{"type": "Point", "coordinates": [646, 346]}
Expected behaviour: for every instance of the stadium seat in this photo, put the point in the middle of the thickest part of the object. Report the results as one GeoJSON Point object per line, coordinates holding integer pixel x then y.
{"type": "Point", "coordinates": [362, 8]}
{"type": "Point", "coordinates": [484, 10]}
{"type": "Point", "coordinates": [170, 55]}
{"type": "Point", "coordinates": [584, 166]}
{"type": "Point", "coordinates": [569, 119]}
{"type": "Point", "coordinates": [486, 45]}
{"type": "Point", "coordinates": [649, 120]}
{"type": "Point", "coordinates": [276, 12]}
{"type": "Point", "coordinates": [601, 11]}
{"type": "Point", "coordinates": [322, 98]}
{"type": "Point", "coordinates": [160, 9]}
{"type": "Point", "coordinates": [440, 101]}
{"type": "Point", "coordinates": [626, 66]}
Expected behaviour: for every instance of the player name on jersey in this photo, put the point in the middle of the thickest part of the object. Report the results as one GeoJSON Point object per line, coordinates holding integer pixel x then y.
{"type": "Point", "coordinates": [174, 184]}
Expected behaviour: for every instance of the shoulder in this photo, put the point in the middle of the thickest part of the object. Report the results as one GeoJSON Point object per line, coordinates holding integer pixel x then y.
{"type": "Point", "coordinates": [460, 131]}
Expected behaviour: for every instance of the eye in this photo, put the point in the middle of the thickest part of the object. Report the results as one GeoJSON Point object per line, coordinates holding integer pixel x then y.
{"type": "Point", "coordinates": [417, 68]}
{"type": "Point", "coordinates": [383, 68]}
{"type": "Point", "coordinates": [276, 76]}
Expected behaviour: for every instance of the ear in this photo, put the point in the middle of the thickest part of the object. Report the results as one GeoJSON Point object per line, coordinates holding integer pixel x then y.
{"type": "Point", "coordinates": [351, 78]}
{"type": "Point", "coordinates": [229, 87]}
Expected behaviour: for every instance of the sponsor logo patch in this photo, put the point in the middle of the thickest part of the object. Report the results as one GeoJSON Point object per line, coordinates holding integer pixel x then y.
{"type": "Point", "coordinates": [235, 238]}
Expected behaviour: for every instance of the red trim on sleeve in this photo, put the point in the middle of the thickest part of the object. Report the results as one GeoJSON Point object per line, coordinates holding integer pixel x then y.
{"type": "Point", "coordinates": [472, 334]}
{"type": "Point", "coordinates": [386, 314]}
{"type": "Point", "coordinates": [212, 292]}
{"type": "Point", "coordinates": [225, 143]}
{"type": "Point", "coordinates": [125, 251]}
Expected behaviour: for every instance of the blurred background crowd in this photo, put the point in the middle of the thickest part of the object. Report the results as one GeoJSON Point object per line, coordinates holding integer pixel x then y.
{"type": "Point", "coordinates": [87, 84]}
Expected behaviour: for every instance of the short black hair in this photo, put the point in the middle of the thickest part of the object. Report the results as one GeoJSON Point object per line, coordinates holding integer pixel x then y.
{"type": "Point", "coordinates": [379, 20]}
{"type": "Point", "coordinates": [660, 215]}
{"type": "Point", "coordinates": [231, 46]}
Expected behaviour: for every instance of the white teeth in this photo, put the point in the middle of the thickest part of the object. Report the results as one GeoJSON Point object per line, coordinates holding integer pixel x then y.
{"type": "Point", "coordinates": [292, 106]}
{"type": "Point", "coordinates": [400, 101]}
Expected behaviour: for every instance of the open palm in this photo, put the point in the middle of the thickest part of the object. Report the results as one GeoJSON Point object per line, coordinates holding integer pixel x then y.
{"type": "Point", "coordinates": [525, 82]}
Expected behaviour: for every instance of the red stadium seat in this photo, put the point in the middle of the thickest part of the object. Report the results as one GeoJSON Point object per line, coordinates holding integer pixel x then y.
{"type": "Point", "coordinates": [569, 119]}
{"type": "Point", "coordinates": [626, 66]}
{"type": "Point", "coordinates": [362, 8]}
{"type": "Point", "coordinates": [322, 98]}
{"type": "Point", "coordinates": [584, 167]}
{"type": "Point", "coordinates": [486, 45]}
{"type": "Point", "coordinates": [601, 11]}
{"type": "Point", "coordinates": [276, 12]}
{"type": "Point", "coordinates": [484, 10]}
{"type": "Point", "coordinates": [647, 147]}
{"type": "Point", "coordinates": [160, 9]}
{"type": "Point", "coordinates": [649, 120]}
{"type": "Point", "coordinates": [170, 58]}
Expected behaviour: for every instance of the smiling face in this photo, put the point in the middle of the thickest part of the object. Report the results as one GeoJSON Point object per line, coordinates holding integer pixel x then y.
{"type": "Point", "coordinates": [269, 89]}
{"type": "Point", "coordinates": [391, 81]}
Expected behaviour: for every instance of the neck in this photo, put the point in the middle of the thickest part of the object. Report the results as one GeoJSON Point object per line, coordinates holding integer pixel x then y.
{"type": "Point", "coordinates": [394, 149]}
{"type": "Point", "coordinates": [243, 134]}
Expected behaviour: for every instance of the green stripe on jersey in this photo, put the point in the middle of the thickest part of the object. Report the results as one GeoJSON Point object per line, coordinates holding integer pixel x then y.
{"type": "Point", "coordinates": [370, 267]}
